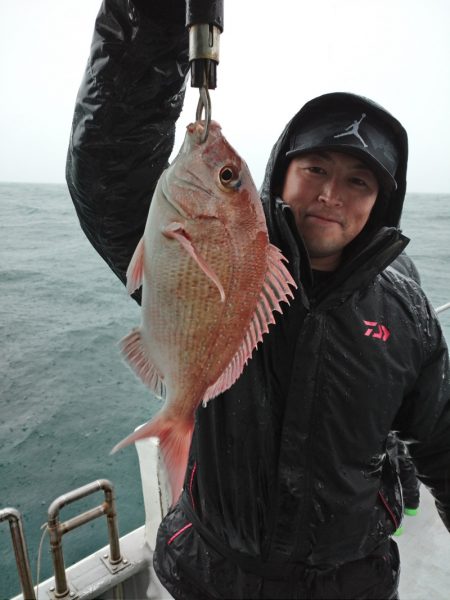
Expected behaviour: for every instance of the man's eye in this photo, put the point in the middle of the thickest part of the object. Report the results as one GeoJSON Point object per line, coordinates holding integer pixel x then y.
{"type": "Point", "coordinates": [359, 182]}
{"type": "Point", "coordinates": [318, 170]}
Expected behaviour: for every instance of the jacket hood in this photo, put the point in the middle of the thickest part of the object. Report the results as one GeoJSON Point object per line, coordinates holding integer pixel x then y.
{"type": "Point", "coordinates": [389, 204]}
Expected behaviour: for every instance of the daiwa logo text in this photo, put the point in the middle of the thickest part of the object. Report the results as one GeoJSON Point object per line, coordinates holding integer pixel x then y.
{"type": "Point", "coordinates": [377, 331]}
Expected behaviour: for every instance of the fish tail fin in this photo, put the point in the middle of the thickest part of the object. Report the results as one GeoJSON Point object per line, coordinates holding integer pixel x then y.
{"type": "Point", "coordinates": [174, 440]}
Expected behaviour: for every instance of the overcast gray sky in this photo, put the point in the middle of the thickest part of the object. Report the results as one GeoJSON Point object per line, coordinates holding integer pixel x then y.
{"type": "Point", "coordinates": [274, 57]}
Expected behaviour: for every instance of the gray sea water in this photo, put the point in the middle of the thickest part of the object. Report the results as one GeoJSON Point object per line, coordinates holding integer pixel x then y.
{"type": "Point", "coordinates": [65, 395]}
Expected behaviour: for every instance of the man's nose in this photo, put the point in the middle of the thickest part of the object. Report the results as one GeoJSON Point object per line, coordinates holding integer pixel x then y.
{"type": "Point", "coordinates": [331, 192]}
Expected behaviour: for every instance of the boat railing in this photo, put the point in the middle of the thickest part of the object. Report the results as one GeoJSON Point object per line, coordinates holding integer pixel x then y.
{"type": "Point", "coordinates": [114, 561]}
{"type": "Point", "coordinates": [20, 550]}
{"type": "Point", "coordinates": [442, 308]}
{"type": "Point", "coordinates": [113, 571]}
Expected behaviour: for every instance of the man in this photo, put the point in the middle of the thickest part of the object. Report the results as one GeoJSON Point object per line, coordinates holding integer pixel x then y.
{"type": "Point", "coordinates": [289, 491]}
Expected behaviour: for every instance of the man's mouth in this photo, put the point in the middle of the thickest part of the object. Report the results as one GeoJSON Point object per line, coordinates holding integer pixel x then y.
{"type": "Point", "coordinates": [324, 218]}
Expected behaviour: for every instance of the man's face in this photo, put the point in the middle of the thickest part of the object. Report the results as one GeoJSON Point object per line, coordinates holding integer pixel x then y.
{"type": "Point", "coordinates": [331, 195]}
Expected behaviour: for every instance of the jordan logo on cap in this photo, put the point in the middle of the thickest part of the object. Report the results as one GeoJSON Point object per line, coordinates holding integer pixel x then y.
{"type": "Point", "coordinates": [353, 130]}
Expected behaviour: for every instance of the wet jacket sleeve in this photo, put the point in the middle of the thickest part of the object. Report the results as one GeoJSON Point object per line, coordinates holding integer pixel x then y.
{"type": "Point", "coordinates": [405, 265]}
{"type": "Point", "coordinates": [424, 418]}
{"type": "Point", "coordinates": [124, 122]}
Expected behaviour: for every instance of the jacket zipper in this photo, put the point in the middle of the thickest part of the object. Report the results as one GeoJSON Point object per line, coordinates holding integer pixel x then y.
{"type": "Point", "coordinates": [388, 509]}
{"type": "Point", "coordinates": [312, 420]}
{"type": "Point", "coordinates": [189, 524]}
{"type": "Point", "coordinates": [179, 532]}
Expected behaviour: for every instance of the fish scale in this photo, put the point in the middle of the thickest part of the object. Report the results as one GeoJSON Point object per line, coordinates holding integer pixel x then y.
{"type": "Point", "coordinates": [194, 311]}
{"type": "Point", "coordinates": [210, 283]}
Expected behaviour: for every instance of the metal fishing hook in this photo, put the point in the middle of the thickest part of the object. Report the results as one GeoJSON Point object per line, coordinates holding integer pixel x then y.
{"type": "Point", "coordinates": [204, 103]}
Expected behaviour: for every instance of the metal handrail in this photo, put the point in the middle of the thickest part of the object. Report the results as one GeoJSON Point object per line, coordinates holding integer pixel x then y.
{"type": "Point", "coordinates": [57, 529]}
{"type": "Point", "coordinates": [440, 309]}
{"type": "Point", "coordinates": [20, 550]}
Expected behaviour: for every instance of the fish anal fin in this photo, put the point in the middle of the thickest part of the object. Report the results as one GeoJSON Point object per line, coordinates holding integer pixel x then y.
{"type": "Point", "coordinates": [276, 289]}
{"type": "Point", "coordinates": [135, 354]}
{"type": "Point", "coordinates": [135, 269]}
{"type": "Point", "coordinates": [174, 440]}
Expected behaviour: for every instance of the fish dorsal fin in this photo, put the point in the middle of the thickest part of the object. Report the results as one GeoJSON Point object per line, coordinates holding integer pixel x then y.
{"type": "Point", "coordinates": [275, 290]}
{"type": "Point", "coordinates": [135, 269]}
{"type": "Point", "coordinates": [136, 355]}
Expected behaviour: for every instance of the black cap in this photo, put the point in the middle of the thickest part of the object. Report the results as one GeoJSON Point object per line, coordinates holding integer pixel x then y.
{"type": "Point", "coordinates": [352, 130]}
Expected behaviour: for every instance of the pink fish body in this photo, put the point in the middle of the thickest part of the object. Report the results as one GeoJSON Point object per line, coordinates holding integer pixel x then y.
{"type": "Point", "coordinates": [210, 282]}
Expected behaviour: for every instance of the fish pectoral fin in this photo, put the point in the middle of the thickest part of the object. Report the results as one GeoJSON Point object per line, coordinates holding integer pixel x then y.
{"type": "Point", "coordinates": [135, 353]}
{"type": "Point", "coordinates": [135, 269]}
{"type": "Point", "coordinates": [177, 232]}
{"type": "Point", "coordinates": [276, 289]}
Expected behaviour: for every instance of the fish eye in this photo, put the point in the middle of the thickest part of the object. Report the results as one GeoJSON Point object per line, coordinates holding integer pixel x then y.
{"type": "Point", "coordinates": [229, 176]}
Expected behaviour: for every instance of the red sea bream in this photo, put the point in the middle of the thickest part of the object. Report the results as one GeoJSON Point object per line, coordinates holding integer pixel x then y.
{"type": "Point", "coordinates": [210, 282]}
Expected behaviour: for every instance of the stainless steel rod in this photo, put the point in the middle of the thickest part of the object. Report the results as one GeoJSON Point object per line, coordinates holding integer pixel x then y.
{"type": "Point", "coordinates": [20, 551]}
{"type": "Point", "coordinates": [443, 307]}
{"type": "Point", "coordinates": [58, 529]}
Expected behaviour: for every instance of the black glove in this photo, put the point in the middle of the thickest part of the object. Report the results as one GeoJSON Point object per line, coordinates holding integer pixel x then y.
{"type": "Point", "coordinates": [169, 11]}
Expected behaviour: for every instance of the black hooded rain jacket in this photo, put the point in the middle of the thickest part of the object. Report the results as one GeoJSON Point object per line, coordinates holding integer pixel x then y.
{"type": "Point", "coordinates": [289, 488]}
